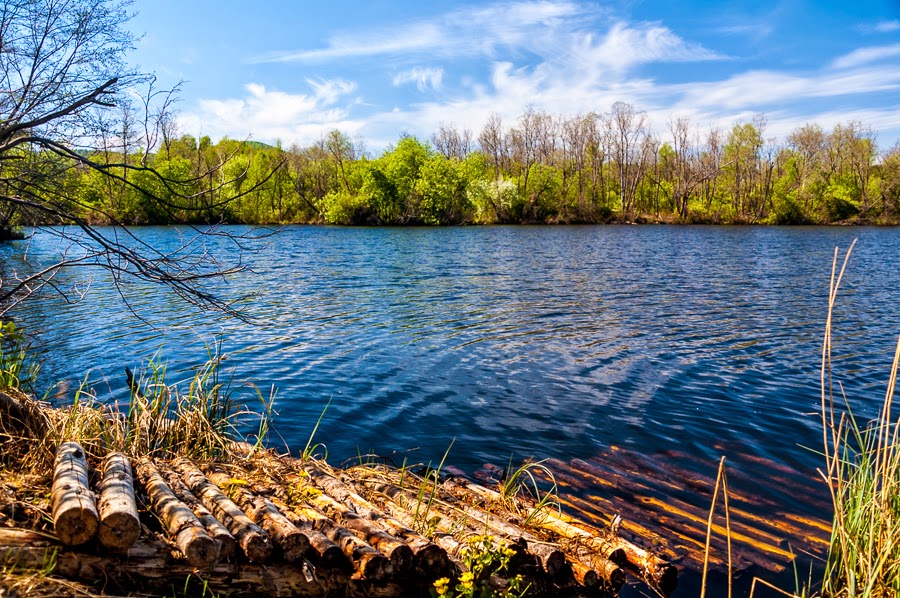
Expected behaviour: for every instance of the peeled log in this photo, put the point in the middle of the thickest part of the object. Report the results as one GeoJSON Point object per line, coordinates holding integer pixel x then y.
{"type": "Point", "coordinates": [180, 522]}
{"type": "Point", "coordinates": [75, 516]}
{"type": "Point", "coordinates": [120, 526]}
{"type": "Point", "coordinates": [226, 542]}
{"type": "Point", "coordinates": [287, 536]}
{"type": "Point", "coordinates": [252, 539]}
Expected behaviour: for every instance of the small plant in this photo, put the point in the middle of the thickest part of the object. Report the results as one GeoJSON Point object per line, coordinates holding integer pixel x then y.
{"type": "Point", "coordinates": [424, 499]}
{"type": "Point", "coordinates": [483, 558]}
{"type": "Point", "coordinates": [524, 482]}
{"type": "Point", "coordinates": [310, 449]}
{"type": "Point", "coordinates": [17, 368]}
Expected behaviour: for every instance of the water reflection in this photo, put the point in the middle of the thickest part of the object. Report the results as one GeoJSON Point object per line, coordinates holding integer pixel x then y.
{"type": "Point", "coordinates": [545, 342]}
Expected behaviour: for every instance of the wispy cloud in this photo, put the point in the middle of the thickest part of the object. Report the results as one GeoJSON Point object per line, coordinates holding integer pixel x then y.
{"type": "Point", "coordinates": [887, 26]}
{"type": "Point", "coordinates": [423, 77]}
{"type": "Point", "coordinates": [544, 28]}
{"type": "Point", "coordinates": [867, 55]}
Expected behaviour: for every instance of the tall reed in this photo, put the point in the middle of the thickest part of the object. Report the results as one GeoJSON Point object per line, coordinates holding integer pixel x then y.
{"type": "Point", "coordinates": [862, 469]}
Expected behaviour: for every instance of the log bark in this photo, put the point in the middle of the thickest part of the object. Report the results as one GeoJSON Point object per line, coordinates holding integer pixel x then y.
{"type": "Point", "coordinates": [430, 560]}
{"type": "Point", "coordinates": [150, 566]}
{"type": "Point", "coordinates": [218, 532]}
{"type": "Point", "coordinates": [252, 539]}
{"type": "Point", "coordinates": [292, 542]}
{"type": "Point", "coordinates": [552, 558]}
{"type": "Point", "coordinates": [75, 516]}
{"type": "Point", "coordinates": [322, 551]}
{"type": "Point", "coordinates": [180, 523]}
{"type": "Point", "coordinates": [368, 562]}
{"type": "Point", "coordinates": [400, 554]}
{"type": "Point", "coordinates": [120, 525]}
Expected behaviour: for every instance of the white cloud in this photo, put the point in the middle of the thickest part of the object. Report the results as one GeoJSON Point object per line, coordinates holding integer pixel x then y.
{"type": "Point", "coordinates": [561, 57]}
{"type": "Point", "coordinates": [867, 55]}
{"type": "Point", "coordinates": [627, 45]}
{"type": "Point", "coordinates": [424, 78]}
{"type": "Point", "coordinates": [270, 114]}
{"type": "Point", "coordinates": [887, 26]}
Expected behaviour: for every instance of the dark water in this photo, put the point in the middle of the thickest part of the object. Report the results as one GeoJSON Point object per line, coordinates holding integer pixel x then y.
{"type": "Point", "coordinates": [520, 342]}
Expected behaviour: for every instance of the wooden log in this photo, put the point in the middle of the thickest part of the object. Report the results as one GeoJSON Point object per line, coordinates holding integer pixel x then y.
{"type": "Point", "coordinates": [369, 563]}
{"type": "Point", "coordinates": [180, 523]}
{"type": "Point", "coordinates": [552, 558]}
{"type": "Point", "coordinates": [218, 532]}
{"type": "Point", "coordinates": [292, 542]}
{"type": "Point", "coordinates": [150, 567]}
{"type": "Point", "coordinates": [400, 554]}
{"type": "Point", "coordinates": [430, 560]}
{"type": "Point", "coordinates": [75, 516]}
{"type": "Point", "coordinates": [322, 551]}
{"type": "Point", "coordinates": [120, 526]}
{"type": "Point", "coordinates": [252, 539]}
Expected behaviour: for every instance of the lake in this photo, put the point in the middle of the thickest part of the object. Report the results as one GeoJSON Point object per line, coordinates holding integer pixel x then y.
{"type": "Point", "coordinates": [518, 342]}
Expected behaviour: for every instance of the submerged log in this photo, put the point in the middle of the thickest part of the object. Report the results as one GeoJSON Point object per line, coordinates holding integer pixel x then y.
{"type": "Point", "coordinates": [218, 532]}
{"type": "Point", "coordinates": [75, 516]}
{"type": "Point", "coordinates": [252, 539]}
{"type": "Point", "coordinates": [292, 541]}
{"type": "Point", "coordinates": [120, 526]}
{"type": "Point", "coordinates": [179, 521]}
{"type": "Point", "coordinates": [652, 568]}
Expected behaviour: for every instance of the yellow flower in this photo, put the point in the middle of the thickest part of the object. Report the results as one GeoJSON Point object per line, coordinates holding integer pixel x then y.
{"type": "Point", "coordinates": [440, 586]}
{"type": "Point", "coordinates": [466, 580]}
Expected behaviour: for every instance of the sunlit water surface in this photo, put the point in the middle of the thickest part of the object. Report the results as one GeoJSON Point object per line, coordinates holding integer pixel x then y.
{"type": "Point", "coordinates": [515, 342]}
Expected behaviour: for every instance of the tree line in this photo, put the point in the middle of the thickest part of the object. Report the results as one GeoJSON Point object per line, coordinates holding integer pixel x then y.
{"type": "Point", "coordinates": [541, 168]}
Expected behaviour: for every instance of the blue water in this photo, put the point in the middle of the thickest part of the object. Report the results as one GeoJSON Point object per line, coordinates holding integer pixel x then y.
{"type": "Point", "coordinates": [512, 341]}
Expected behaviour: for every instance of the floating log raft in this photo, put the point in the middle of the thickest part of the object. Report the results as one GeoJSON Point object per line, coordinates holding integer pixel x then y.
{"type": "Point", "coordinates": [306, 529]}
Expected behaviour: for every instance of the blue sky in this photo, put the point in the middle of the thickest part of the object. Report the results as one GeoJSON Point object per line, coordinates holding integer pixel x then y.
{"type": "Point", "coordinates": [292, 71]}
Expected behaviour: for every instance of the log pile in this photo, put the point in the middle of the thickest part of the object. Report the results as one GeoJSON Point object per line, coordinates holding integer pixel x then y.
{"type": "Point", "coordinates": [265, 524]}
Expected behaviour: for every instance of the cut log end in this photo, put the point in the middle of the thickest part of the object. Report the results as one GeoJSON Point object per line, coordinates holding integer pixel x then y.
{"type": "Point", "coordinates": [432, 562]}
{"type": "Point", "coordinates": [293, 546]}
{"type": "Point", "coordinates": [257, 547]}
{"type": "Point", "coordinates": [666, 578]}
{"type": "Point", "coordinates": [76, 525]}
{"type": "Point", "coordinates": [119, 531]}
{"type": "Point", "coordinates": [200, 550]}
{"type": "Point", "coordinates": [377, 567]}
{"type": "Point", "coordinates": [555, 563]}
{"type": "Point", "coordinates": [402, 558]}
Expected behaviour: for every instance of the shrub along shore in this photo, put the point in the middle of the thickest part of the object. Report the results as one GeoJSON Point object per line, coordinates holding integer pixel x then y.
{"type": "Point", "coordinates": [541, 168]}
